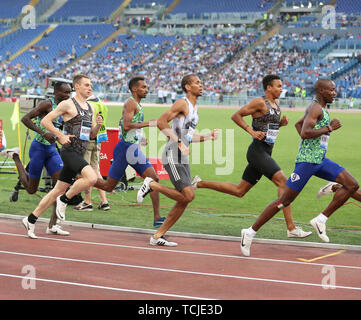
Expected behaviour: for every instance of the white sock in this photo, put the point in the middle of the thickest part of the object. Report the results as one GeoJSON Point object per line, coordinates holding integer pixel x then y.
{"type": "Point", "coordinates": [321, 218]}
{"type": "Point", "coordinates": [250, 232]}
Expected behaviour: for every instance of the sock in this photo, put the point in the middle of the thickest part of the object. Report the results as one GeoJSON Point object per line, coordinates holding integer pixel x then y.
{"type": "Point", "coordinates": [321, 218]}
{"type": "Point", "coordinates": [250, 232]}
{"type": "Point", "coordinates": [64, 198]}
{"type": "Point", "coordinates": [32, 218]}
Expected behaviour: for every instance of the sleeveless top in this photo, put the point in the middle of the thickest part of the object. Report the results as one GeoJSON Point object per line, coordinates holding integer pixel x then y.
{"type": "Point", "coordinates": [57, 124]}
{"type": "Point", "coordinates": [133, 135]}
{"type": "Point", "coordinates": [80, 127]}
{"type": "Point", "coordinates": [314, 150]}
{"type": "Point", "coordinates": [269, 123]}
{"type": "Point", "coordinates": [184, 126]}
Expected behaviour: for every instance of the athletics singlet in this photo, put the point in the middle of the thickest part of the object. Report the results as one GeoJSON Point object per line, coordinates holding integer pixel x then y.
{"type": "Point", "coordinates": [133, 135]}
{"type": "Point", "coordinates": [314, 150]}
{"type": "Point", "coordinates": [80, 127]}
{"type": "Point", "coordinates": [269, 123]}
{"type": "Point", "coordinates": [184, 126]}
{"type": "Point", "coordinates": [57, 123]}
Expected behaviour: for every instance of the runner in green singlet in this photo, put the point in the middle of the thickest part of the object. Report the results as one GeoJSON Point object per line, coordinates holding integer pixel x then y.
{"type": "Point", "coordinates": [314, 128]}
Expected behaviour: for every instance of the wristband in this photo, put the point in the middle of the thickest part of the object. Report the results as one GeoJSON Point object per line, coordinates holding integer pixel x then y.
{"type": "Point", "coordinates": [179, 140]}
{"type": "Point", "coordinates": [329, 128]}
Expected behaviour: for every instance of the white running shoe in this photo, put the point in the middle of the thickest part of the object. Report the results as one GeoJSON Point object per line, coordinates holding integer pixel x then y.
{"type": "Point", "coordinates": [327, 189]}
{"type": "Point", "coordinates": [194, 182]}
{"type": "Point", "coordinates": [298, 233]}
{"type": "Point", "coordinates": [9, 152]}
{"type": "Point", "coordinates": [162, 242]}
{"type": "Point", "coordinates": [30, 228]}
{"type": "Point", "coordinates": [144, 189]}
{"type": "Point", "coordinates": [246, 242]}
{"type": "Point", "coordinates": [56, 229]}
{"type": "Point", "coordinates": [60, 209]}
{"type": "Point", "coordinates": [320, 229]}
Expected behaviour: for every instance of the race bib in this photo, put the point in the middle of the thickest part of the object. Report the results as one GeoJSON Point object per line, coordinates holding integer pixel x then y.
{"type": "Point", "coordinates": [272, 132]}
{"type": "Point", "coordinates": [324, 141]}
{"type": "Point", "coordinates": [85, 130]}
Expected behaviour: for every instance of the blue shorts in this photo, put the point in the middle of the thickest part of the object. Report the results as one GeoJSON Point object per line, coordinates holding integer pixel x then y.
{"type": "Point", "coordinates": [43, 155]}
{"type": "Point", "coordinates": [327, 170]}
{"type": "Point", "coordinates": [124, 154]}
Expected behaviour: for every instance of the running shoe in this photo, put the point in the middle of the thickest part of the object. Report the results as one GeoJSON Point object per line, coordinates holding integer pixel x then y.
{"type": "Point", "coordinates": [159, 222]}
{"type": "Point", "coordinates": [60, 209]}
{"type": "Point", "coordinates": [56, 229]}
{"type": "Point", "coordinates": [195, 180]}
{"type": "Point", "coordinates": [327, 189]}
{"type": "Point", "coordinates": [246, 242]}
{"type": "Point", "coordinates": [320, 229]}
{"type": "Point", "coordinates": [9, 152]}
{"type": "Point", "coordinates": [162, 241]}
{"type": "Point", "coordinates": [104, 206]}
{"type": "Point", "coordinates": [298, 233]}
{"type": "Point", "coordinates": [83, 206]}
{"type": "Point", "coordinates": [30, 228]}
{"type": "Point", "coordinates": [144, 189]}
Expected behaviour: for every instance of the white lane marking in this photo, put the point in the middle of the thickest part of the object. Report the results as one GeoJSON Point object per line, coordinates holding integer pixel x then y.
{"type": "Point", "coordinates": [160, 250]}
{"type": "Point", "coordinates": [104, 287]}
{"type": "Point", "coordinates": [176, 270]}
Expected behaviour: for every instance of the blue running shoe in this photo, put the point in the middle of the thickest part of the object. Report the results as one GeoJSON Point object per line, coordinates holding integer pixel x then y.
{"type": "Point", "coordinates": [159, 222]}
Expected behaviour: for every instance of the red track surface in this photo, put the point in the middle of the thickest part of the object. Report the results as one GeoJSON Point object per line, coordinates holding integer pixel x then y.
{"type": "Point", "coordinates": [98, 264]}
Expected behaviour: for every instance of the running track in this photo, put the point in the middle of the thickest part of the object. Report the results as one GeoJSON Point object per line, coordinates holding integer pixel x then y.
{"type": "Point", "coordinates": [106, 264]}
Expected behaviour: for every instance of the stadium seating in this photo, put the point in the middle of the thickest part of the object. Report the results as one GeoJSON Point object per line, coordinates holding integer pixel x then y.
{"type": "Point", "coordinates": [347, 6]}
{"type": "Point", "coordinates": [11, 8]}
{"type": "Point", "coordinates": [68, 39]}
{"type": "Point", "coordinates": [89, 8]}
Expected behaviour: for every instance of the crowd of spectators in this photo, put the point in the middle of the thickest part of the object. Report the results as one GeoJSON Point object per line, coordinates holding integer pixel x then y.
{"type": "Point", "coordinates": [218, 59]}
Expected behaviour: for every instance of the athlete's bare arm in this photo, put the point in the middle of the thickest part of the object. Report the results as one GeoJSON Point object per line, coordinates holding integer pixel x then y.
{"type": "Point", "coordinates": [256, 108]}
{"type": "Point", "coordinates": [313, 114]}
{"type": "Point", "coordinates": [213, 135]}
{"type": "Point", "coordinates": [40, 111]}
{"type": "Point", "coordinates": [178, 109]}
{"type": "Point", "coordinates": [129, 110]}
{"type": "Point", "coordinates": [67, 110]}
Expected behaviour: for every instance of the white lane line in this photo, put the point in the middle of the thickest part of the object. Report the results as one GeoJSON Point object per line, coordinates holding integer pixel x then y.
{"type": "Point", "coordinates": [177, 270]}
{"type": "Point", "coordinates": [104, 287]}
{"type": "Point", "coordinates": [163, 249]}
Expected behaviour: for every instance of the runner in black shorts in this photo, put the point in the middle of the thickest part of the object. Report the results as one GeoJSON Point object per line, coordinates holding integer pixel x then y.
{"type": "Point", "coordinates": [79, 127]}
{"type": "Point", "coordinates": [266, 121]}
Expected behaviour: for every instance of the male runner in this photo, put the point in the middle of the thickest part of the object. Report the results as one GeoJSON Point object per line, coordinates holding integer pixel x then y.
{"type": "Point", "coordinates": [127, 151]}
{"type": "Point", "coordinates": [314, 128]}
{"type": "Point", "coordinates": [43, 150]}
{"type": "Point", "coordinates": [266, 121]}
{"type": "Point", "coordinates": [184, 114]}
{"type": "Point", "coordinates": [79, 127]}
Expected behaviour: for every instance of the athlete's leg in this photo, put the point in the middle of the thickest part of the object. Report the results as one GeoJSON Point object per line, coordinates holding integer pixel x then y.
{"type": "Point", "coordinates": [150, 172]}
{"type": "Point", "coordinates": [238, 190]}
{"type": "Point", "coordinates": [279, 179]}
{"type": "Point", "coordinates": [45, 203]}
{"type": "Point", "coordinates": [356, 195]}
{"type": "Point", "coordinates": [30, 184]}
{"type": "Point", "coordinates": [349, 187]}
{"type": "Point", "coordinates": [88, 179]}
{"type": "Point", "coordinates": [53, 217]}
{"type": "Point", "coordinates": [176, 212]}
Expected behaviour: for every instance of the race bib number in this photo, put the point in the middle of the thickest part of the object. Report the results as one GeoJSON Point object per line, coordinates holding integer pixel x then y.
{"type": "Point", "coordinates": [272, 132]}
{"type": "Point", "coordinates": [85, 130]}
{"type": "Point", "coordinates": [324, 141]}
